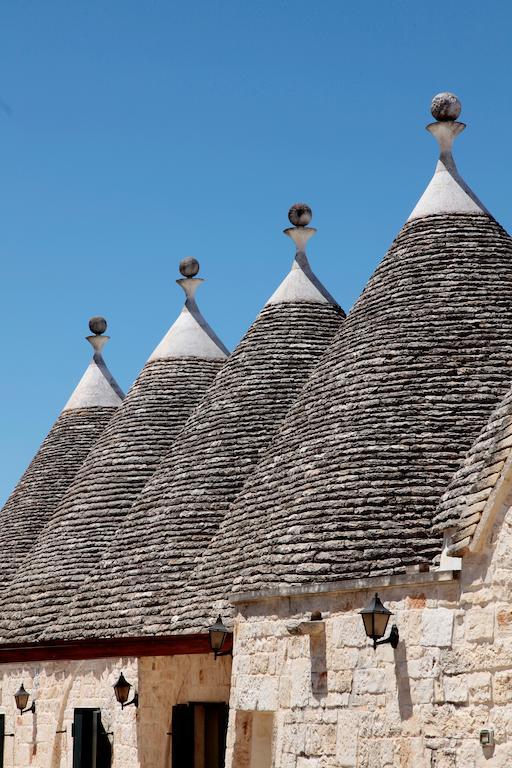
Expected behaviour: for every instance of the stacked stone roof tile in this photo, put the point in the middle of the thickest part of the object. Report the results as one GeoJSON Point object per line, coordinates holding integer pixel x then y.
{"type": "Point", "coordinates": [322, 450]}
{"type": "Point", "coordinates": [351, 481]}
{"type": "Point", "coordinates": [357, 471]}
{"type": "Point", "coordinates": [463, 504]}
{"type": "Point", "coordinates": [45, 481]}
{"type": "Point", "coordinates": [123, 459]}
{"type": "Point", "coordinates": [56, 463]}
{"type": "Point", "coordinates": [182, 505]}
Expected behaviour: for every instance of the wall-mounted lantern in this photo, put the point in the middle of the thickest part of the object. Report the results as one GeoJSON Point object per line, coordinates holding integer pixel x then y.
{"type": "Point", "coordinates": [218, 633]}
{"type": "Point", "coordinates": [22, 696]}
{"type": "Point", "coordinates": [122, 691]}
{"type": "Point", "coordinates": [375, 619]}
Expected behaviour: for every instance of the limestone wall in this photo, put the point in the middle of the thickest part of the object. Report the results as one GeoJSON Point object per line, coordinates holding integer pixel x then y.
{"type": "Point", "coordinates": [44, 740]}
{"type": "Point", "coordinates": [310, 701]}
{"type": "Point", "coordinates": [338, 703]}
{"type": "Point", "coordinates": [139, 737]}
{"type": "Point", "coordinates": [169, 680]}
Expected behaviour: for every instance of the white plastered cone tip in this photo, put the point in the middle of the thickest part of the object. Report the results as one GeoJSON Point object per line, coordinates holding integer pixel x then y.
{"type": "Point", "coordinates": [447, 191]}
{"type": "Point", "coordinates": [97, 388]}
{"type": "Point", "coordinates": [301, 284]}
{"type": "Point", "coordinates": [190, 335]}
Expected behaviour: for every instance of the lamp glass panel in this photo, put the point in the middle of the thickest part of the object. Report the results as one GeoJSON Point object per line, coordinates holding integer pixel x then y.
{"type": "Point", "coordinates": [368, 624]}
{"type": "Point", "coordinates": [122, 690]}
{"type": "Point", "coordinates": [21, 697]}
{"type": "Point", "coordinates": [217, 639]}
{"type": "Point", "coordinates": [381, 622]}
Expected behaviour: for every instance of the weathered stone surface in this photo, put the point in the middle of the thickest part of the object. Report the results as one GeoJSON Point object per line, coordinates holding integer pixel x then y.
{"type": "Point", "coordinates": [502, 687]}
{"type": "Point", "coordinates": [420, 705]}
{"type": "Point", "coordinates": [479, 624]}
{"type": "Point", "coordinates": [464, 501]}
{"type": "Point", "coordinates": [88, 517]}
{"type": "Point", "coordinates": [437, 627]}
{"type": "Point", "coordinates": [43, 484]}
{"type": "Point", "coordinates": [352, 480]}
{"type": "Point", "coordinates": [347, 739]}
{"type": "Point", "coordinates": [479, 687]}
{"type": "Point", "coordinates": [455, 689]}
{"type": "Point", "coordinates": [182, 505]}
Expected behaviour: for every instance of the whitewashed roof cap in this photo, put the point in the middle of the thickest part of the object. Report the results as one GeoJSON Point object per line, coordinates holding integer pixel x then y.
{"type": "Point", "coordinates": [301, 283]}
{"type": "Point", "coordinates": [447, 191]}
{"type": "Point", "coordinates": [190, 335]}
{"type": "Point", "coordinates": [97, 388]}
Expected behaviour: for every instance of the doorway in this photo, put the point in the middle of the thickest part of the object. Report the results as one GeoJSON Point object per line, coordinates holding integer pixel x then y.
{"type": "Point", "coordinates": [199, 735]}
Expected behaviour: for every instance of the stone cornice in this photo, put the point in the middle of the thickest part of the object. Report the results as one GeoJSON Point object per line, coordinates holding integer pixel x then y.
{"type": "Point", "coordinates": [417, 578]}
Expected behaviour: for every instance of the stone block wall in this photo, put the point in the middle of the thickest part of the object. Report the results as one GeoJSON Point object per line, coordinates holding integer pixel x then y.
{"type": "Point", "coordinates": [337, 703]}
{"type": "Point", "coordinates": [140, 737]}
{"type": "Point", "coordinates": [169, 680]}
{"type": "Point", "coordinates": [320, 700]}
{"type": "Point", "coordinates": [44, 740]}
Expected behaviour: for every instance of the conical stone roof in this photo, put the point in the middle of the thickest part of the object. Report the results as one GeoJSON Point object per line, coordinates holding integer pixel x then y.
{"type": "Point", "coordinates": [469, 493]}
{"type": "Point", "coordinates": [182, 505]}
{"type": "Point", "coordinates": [39, 491]}
{"type": "Point", "coordinates": [126, 455]}
{"type": "Point", "coordinates": [351, 481]}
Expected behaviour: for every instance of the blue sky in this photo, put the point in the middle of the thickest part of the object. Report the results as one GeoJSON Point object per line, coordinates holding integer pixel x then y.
{"type": "Point", "coordinates": [133, 134]}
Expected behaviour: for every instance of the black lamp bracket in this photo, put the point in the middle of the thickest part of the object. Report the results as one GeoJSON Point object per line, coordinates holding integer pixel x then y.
{"type": "Point", "coordinates": [134, 701]}
{"type": "Point", "coordinates": [393, 638]}
{"type": "Point", "coordinates": [32, 709]}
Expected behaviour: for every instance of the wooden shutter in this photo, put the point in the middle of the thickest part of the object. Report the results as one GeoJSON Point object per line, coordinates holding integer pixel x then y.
{"type": "Point", "coordinates": [82, 738]}
{"type": "Point", "coordinates": [223, 728]}
{"type": "Point", "coordinates": [182, 736]}
{"type": "Point", "coordinates": [102, 748]}
{"type": "Point", "coordinates": [91, 745]}
{"type": "Point", "coordinates": [2, 740]}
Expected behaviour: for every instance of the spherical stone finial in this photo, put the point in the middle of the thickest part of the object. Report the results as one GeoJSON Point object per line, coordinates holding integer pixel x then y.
{"type": "Point", "coordinates": [97, 325]}
{"type": "Point", "coordinates": [300, 215]}
{"type": "Point", "coordinates": [445, 107]}
{"type": "Point", "coordinates": [189, 267]}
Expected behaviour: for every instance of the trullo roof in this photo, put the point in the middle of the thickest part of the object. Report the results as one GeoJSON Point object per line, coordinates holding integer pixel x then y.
{"type": "Point", "coordinates": [54, 466]}
{"type": "Point", "coordinates": [182, 505]}
{"type": "Point", "coordinates": [128, 452]}
{"type": "Point", "coordinates": [469, 494]}
{"type": "Point", "coordinates": [350, 483]}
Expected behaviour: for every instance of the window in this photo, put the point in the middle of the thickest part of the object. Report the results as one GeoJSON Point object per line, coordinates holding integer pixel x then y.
{"type": "Point", "coordinates": [91, 745]}
{"type": "Point", "coordinates": [199, 735]}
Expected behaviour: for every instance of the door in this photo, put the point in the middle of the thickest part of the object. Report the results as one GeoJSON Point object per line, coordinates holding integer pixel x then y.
{"type": "Point", "coordinates": [91, 745]}
{"type": "Point", "coordinates": [199, 735]}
